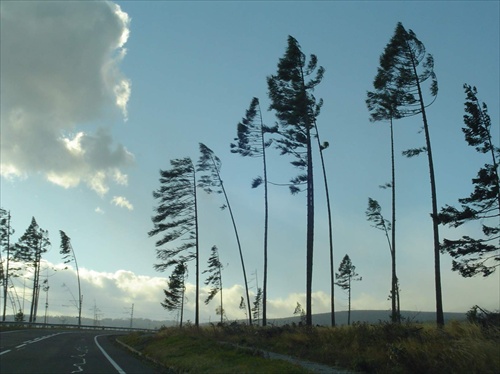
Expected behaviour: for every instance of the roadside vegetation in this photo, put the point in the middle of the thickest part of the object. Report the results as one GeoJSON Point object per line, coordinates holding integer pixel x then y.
{"type": "Point", "coordinates": [459, 347]}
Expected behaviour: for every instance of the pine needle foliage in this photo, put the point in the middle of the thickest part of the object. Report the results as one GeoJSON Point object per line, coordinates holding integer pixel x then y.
{"type": "Point", "coordinates": [477, 256]}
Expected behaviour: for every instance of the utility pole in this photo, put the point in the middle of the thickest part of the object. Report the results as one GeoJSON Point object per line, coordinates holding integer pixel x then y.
{"type": "Point", "coordinates": [132, 315]}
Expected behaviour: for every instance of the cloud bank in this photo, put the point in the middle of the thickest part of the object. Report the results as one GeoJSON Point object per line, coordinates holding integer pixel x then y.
{"type": "Point", "coordinates": [60, 78]}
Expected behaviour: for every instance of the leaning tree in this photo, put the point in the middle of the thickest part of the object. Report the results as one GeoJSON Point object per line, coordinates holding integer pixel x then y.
{"type": "Point", "coordinates": [405, 67]}
{"type": "Point", "coordinates": [68, 255]}
{"type": "Point", "coordinates": [251, 142]}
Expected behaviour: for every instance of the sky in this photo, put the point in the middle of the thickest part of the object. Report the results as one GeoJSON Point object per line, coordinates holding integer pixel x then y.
{"type": "Point", "coordinates": [97, 97]}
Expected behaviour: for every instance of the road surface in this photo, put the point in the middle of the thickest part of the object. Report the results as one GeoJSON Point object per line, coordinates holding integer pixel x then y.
{"type": "Point", "coordinates": [47, 351]}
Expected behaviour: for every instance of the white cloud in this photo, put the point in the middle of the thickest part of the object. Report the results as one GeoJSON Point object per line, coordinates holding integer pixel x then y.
{"type": "Point", "coordinates": [60, 72]}
{"type": "Point", "coordinates": [122, 202]}
{"type": "Point", "coordinates": [99, 210]}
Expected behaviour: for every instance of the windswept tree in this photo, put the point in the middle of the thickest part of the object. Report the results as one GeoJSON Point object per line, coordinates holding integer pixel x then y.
{"type": "Point", "coordinates": [291, 94]}
{"type": "Point", "coordinates": [68, 255]}
{"type": "Point", "coordinates": [174, 295]}
{"type": "Point", "coordinates": [374, 215]}
{"type": "Point", "coordinates": [346, 275]}
{"type": "Point", "coordinates": [251, 142]}
{"type": "Point", "coordinates": [405, 68]}
{"type": "Point", "coordinates": [29, 249]}
{"type": "Point", "coordinates": [6, 232]}
{"type": "Point", "coordinates": [176, 220]}
{"type": "Point", "coordinates": [473, 256]}
{"type": "Point", "coordinates": [214, 279]}
{"type": "Point", "coordinates": [257, 304]}
{"type": "Point", "coordinates": [210, 165]}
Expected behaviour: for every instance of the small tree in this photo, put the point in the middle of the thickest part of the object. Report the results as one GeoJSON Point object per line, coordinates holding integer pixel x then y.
{"type": "Point", "coordinates": [68, 254]}
{"type": "Point", "coordinates": [299, 311]}
{"type": "Point", "coordinates": [257, 305]}
{"type": "Point", "coordinates": [211, 182]}
{"type": "Point", "coordinates": [374, 214]}
{"type": "Point", "coordinates": [174, 296]}
{"type": "Point", "coordinates": [346, 275]}
{"type": "Point", "coordinates": [477, 256]}
{"type": "Point", "coordinates": [177, 219]}
{"type": "Point", "coordinates": [243, 306]}
{"type": "Point", "coordinates": [215, 280]}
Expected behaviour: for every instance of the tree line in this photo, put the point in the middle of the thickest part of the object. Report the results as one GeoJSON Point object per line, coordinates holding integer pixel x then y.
{"type": "Point", "coordinates": [405, 85]}
{"type": "Point", "coordinates": [24, 259]}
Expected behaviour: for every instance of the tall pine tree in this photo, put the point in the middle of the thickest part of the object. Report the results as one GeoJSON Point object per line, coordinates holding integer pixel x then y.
{"type": "Point", "coordinates": [296, 108]}
{"type": "Point", "coordinates": [405, 67]}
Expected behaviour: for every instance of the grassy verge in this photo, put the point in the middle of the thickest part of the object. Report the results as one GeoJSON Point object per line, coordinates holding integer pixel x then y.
{"type": "Point", "coordinates": [459, 347]}
{"type": "Point", "coordinates": [196, 351]}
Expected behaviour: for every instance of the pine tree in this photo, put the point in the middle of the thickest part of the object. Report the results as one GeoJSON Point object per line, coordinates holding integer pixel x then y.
{"type": "Point", "coordinates": [405, 67]}
{"type": "Point", "coordinates": [296, 109]}
{"type": "Point", "coordinates": [177, 219]}
{"type": "Point", "coordinates": [346, 275]}
{"type": "Point", "coordinates": [251, 142]}
{"type": "Point", "coordinates": [215, 279]}
{"type": "Point", "coordinates": [68, 254]}
{"type": "Point", "coordinates": [211, 182]}
{"type": "Point", "coordinates": [29, 249]}
{"type": "Point", "coordinates": [477, 256]}
{"type": "Point", "coordinates": [174, 296]}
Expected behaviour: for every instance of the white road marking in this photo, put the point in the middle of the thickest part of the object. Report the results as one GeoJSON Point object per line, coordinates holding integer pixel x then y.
{"type": "Point", "coordinates": [7, 351]}
{"type": "Point", "coordinates": [115, 365]}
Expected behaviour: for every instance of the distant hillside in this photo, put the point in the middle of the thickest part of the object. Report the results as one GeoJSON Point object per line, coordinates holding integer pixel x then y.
{"type": "Point", "coordinates": [323, 319]}
{"type": "Point", "coordinates": [369, 316]}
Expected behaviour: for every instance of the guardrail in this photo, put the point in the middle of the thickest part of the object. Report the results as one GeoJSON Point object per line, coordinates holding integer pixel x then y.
{"type": "Point", "coordinates": [65, 326]}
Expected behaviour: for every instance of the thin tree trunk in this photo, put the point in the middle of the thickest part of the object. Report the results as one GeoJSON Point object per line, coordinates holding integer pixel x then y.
{"type": "Point", "coordinates": [330, 233]}
{"type": "Point", "coordinates": [197, 260]}
{"type": "Point", "coordinates": [310, 229]}
{"type": "Point", "coordinates": [239, 248]}
{"type": "Point", "coordinates": [435, 222]}
{"type": "Point", "coordinates": [266, 225]}
{"type": "Point", "coordinates": [349, 305]}
{"type": "Point", "coordinates": [395, 290]}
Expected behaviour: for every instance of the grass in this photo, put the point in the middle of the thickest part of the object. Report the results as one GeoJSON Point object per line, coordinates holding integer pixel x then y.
{"type": "Point", "coordinates": [459, 347]}
{"type": "Point", "coordinates": [193, 350]}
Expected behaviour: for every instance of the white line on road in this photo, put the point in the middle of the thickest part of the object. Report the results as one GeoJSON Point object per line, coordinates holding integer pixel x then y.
{"type": "Point", "coordinates": [115, 365]}
{"type": "Point", "coordinates": [7, 351]}
{"type": "Point", "coordinates": [20, 346]}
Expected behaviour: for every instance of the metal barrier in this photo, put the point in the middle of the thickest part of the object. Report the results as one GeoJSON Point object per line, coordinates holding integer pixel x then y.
{"type": "Point", "coordinates": [65, 326]}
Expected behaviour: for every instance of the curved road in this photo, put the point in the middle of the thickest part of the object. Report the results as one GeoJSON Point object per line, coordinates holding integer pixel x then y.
{"type": "Point", "coordinates": [58, 351]}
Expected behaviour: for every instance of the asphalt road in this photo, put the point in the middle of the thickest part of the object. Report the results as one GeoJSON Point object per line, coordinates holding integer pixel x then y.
{"type": "Point", "coordinates": [44, 351]}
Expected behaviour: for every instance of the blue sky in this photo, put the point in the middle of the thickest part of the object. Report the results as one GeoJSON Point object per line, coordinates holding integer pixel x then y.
{"type": "Point", "coordinates": [133, 87]}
